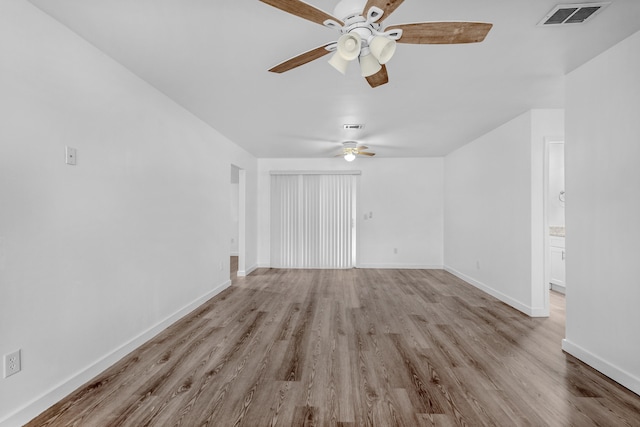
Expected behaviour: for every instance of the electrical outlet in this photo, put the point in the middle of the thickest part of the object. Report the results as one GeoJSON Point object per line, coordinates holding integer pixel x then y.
{"type": "Point", "coordinates": [395, 250]}
{"type": "Point", "coordinates": [71, 155]}
{"type": "Point", "coordinates": [11, 363]}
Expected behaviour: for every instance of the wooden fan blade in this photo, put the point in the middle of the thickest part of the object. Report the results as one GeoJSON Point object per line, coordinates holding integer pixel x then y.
{"type": "Point", "coordinates": [362, 147]}
{"type": "Point", "coordinates": [301, 59]}
{"type": "Point", "coordinates": [303, 10]}
{"type": "Point", "coordinates": [442, 32]}
{"type": "Point", "coordinates": [388, 6]}
{"type": "Point", "coordinates": [379, 78]}
{"type": "Point", "coordinates": [364, 153]}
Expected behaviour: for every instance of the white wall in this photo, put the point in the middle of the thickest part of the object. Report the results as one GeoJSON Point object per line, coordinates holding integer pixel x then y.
{"type": "Point", "coordinates": [602, 149]}
{"type": "Point", "coordinates": [404, 197]}
{"type": "Point", "coordinates": [494, 224]}
{"type": "Point", "coordinates": [96, 258]}
{"type": "Point", "coordinates": [235, 212]}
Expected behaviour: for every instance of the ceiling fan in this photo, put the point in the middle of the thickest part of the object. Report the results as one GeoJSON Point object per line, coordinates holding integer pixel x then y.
{"type": "Point", "coordinates": [362, 38]}
{"type": "Point", "coordinates": [351, 149]}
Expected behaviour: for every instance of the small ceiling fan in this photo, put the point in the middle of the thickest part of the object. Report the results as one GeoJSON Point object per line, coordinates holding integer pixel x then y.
{"type": "Point", "coordinates": [362, 38]}
{"type": "Point", "coordinates": [351, 149]}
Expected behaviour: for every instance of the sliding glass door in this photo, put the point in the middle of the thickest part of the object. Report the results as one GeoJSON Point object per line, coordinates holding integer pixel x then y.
{"type": "Point", "coordinates": [313, 220]}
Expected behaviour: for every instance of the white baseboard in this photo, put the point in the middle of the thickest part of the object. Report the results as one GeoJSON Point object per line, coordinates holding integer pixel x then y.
{"type": "Point", "coordinates": [529, 311]}
{"type": "Point", "coordinates": [383, 267]}
{"type": "Point", "coordinates": [235, 254]}
{"type": "Point", "coordinates": [248, 271]}
{"type": "Point", "coordinates": [401, 266]}
{"type": "Point", "coordinates": [620, 376]}
{"type": "Point", "coordinates": [34, 408]}
{"type": "Point", "coordinates": [558, 288]}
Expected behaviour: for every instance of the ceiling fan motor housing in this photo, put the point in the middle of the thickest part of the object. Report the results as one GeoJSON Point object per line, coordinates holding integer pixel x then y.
{"type": "Point", "coordinates": [349, 8]}
{"type": "Point", "coordinates": [350, 145]}
{"type": "Point", "coordinates": [367, 27]}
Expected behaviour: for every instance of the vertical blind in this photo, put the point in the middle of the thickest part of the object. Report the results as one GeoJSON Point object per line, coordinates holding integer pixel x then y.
{"type": "Point", "coordinates": [313, 220]}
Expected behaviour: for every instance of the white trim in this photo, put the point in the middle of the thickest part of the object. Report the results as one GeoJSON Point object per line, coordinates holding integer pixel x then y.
{"type": "Point", "coordinates": [242, 219]}
{"type": "Point", "coordinates": [374, 266]}
{"type": "Point", "coordinates": [34, 408]}
{"type": "Point", "coordinates": [250, 270]}
{"type": "Point", "coordinates": [538, 312]}
{"type": "Point", "coordinates": [529, 311]}
{"type": "Point", "coordinates": [621, 376]}
{"type": "Point", "coordinates": [234, 253]}
{"type": "Point", "coordinates": [400, 266]}
{"type": "Point", "coordinates": [333, 172]}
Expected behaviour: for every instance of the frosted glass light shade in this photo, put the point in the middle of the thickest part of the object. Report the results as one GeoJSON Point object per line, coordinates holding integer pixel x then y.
{"type": "Point", "coordinates": [349, 46]}
{"type": "Point", "coordinates": [382, 49]}
{"type": "Point", "coordinates": [338, 62]}
{"type": "Point", "coordinates": [349, 157]}
{"type": "Point", "coordinates": [369, 65]}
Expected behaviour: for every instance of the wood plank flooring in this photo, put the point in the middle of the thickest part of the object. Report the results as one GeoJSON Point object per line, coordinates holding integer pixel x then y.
{"type": "Point", "coordinates": [352, 348]}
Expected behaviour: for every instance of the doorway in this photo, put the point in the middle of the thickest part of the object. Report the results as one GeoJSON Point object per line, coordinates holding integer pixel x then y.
{"type": "Point", "coordinates": [555, 216]}
{"type": "Point", "coordinates": [237, 222]}
{"type": "Point", "coordinates": [555, 249]}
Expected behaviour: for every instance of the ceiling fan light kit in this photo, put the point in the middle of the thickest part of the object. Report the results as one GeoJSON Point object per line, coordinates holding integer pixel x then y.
{"type": "Point", "coordinates": [351, 150]}
{"type": "Point", "coordinates": [369, 65]}
{"type": "Point", "coordinates": [349, 46]}
{"type": "Point", "coordinates": [338, 62]}
{"type": "Point", "coordinates": [382, 48]}
{"type": "Point", "coordinates": [362, 38]}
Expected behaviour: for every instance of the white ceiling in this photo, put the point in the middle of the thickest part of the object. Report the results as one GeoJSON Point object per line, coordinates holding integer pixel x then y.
{"type": "Point", "coordinates": [212, 58]}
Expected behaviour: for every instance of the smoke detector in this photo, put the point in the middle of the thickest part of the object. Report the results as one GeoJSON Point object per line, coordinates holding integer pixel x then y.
{"type": "Point", "coordinates": [577, 13]}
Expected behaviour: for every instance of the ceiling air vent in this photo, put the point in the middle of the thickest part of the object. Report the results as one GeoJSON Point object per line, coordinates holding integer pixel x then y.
{"type": "Point", "coordinates": [572, 13]}
{"type": "Point", "coordinates": [350, 126]}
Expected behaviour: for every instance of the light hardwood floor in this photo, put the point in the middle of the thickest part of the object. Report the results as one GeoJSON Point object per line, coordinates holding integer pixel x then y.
{"type": "Point", "coordinates": [350, 348]}
{"type": "Point", "coordinates": [233, 267]}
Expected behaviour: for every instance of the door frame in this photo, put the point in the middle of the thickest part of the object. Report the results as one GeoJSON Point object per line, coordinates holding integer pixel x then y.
{"type": "Point", "coordinates": [242, 215]}
{"type": "Point", "coordinates": [545, 203]}
{"type": "Point", "coordinates": [242, 223]}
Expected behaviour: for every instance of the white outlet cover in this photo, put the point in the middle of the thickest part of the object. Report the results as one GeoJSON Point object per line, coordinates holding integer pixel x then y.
{"type": "Point", "coordinates": [71, 155]}
{"type": "Point", "coordinates": [12, 363]}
